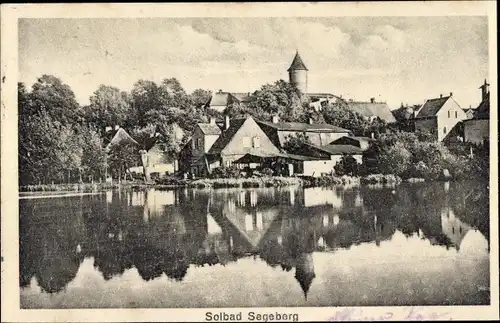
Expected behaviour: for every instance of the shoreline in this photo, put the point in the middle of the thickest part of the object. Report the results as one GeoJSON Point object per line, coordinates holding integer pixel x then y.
{"type": "Point", "coordinates": [254, 182]}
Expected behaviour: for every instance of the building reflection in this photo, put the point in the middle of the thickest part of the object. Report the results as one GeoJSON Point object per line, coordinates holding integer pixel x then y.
{"type": "Point", "coordinates": [167, 232]}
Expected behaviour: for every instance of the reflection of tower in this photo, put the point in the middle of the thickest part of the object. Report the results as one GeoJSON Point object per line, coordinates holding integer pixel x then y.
{"type": "Point", "coordinates": [304, 271]}
{"type": "Point", "coordinates": [297, 73]}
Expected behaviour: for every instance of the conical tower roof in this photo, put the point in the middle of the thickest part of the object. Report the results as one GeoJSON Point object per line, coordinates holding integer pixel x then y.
{"type": "Point", "coordinates": [305, 280]}
{"type": "Point", "coordinates": [297, 63]}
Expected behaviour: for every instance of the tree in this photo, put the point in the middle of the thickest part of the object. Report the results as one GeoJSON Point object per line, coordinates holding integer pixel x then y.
{"type": "Point", "coordinates": [200, 97]}
{"type": "Point", "coordinates": [94, 155]}
{"type": "Point", "coordinates": [339, 114]}
{"type": "Point", "coordinates": [281, 99]}
{"type": "Point", "coordinates": [108, 107]}
{"type": "Point", "coordinates": [173, 94]}
{"type": "Point", "coordinates": [347, 165]}
{"type": "Point", "coordinates": [295, 143]}
{"type": "Point", "coordinates": [121, 157]}
{"type": "Point", "coordinates": [56, 98]}
{"type": "Point", "coordinates": [146, 97]}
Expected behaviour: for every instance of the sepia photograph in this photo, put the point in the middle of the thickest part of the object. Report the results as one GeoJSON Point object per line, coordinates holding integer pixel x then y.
{"type": "Point", "coordinates": [248, 164]}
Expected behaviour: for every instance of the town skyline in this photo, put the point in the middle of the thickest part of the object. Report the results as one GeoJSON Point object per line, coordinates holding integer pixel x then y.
{"type": "Point", "coordinates": [393, 59]}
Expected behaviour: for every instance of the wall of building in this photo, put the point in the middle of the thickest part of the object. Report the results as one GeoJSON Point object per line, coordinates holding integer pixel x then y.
{"type": "Point", "coordinates": [449, 115]}
{"type": "Point", "coordinates": [204, 144]}
{"type": "Point", "coordinates": [248, 139]}
{"type": "Point", "coordinates": [316, 168]}
{"type": "Point", "coordinates": [299, 79]}
{"type": "Point", "coordinates": [476, 130]}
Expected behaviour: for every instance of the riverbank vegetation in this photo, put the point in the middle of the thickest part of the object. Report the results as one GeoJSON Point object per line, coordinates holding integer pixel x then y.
{"type": "Point", "coordinates": [63, 142]}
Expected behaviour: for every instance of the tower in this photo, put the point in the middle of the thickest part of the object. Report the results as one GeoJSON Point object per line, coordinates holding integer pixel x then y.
{"type": "Point", "coordinates": [485, 90]}
{"type": "Point", "coordinates": [297, 74]}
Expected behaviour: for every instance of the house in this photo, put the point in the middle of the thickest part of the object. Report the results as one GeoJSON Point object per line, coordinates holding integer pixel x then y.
{"type": "Point", "coordinates": [438, 116]}
{"type": "Point", "coordinates": [158, 162]}
{"type": "Point", "coordinates": [214, 147]}
{"type": "Point", "coordinates": [477, 129]}
{"type": "Point", "coordinates": [469, 113]}
{"type": "Point", "coordinates": [318, 134]}
{"type": "Point", "coordinates": [220, 100]}
{"type": "Point", "coordinates": [372, 110]}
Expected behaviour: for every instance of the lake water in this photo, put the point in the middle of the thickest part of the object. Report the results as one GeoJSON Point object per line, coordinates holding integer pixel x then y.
{"type": "Point", "coordinates": [416, 244]}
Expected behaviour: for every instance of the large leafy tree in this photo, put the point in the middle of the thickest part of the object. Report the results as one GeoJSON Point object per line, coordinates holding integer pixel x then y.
{"type": "Point", "coordinates": [49, 93]}
{"type": "Point", "coordinates": [108, 107]}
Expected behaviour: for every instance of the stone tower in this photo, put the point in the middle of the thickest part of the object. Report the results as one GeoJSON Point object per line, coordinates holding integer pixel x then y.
{"type": "Point", "coordinates": [297, 73]}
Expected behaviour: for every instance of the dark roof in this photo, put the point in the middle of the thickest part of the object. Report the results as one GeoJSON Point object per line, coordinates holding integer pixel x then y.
{"type": "Point", "coordinates": [209, 129]}
{"type": "Point", "coordinates": [431, 107]}
{"type": "Point", "coordinates": [242, 97]}
{"type": "Point", "coordinates": [304, 127]}
{"type": "Point", "coordinates": [483, 110]}
{"type": "Point", "coordinates": [297, 63]}
{"type": "Point", "coordinates": [372, 109]}
{"type": "Point", "coordinates": [356, 138]}
{"type": "Point", "coordinates": [226, 136]}
{"type": "Point", "coordinates": [403, 113]}
{"type": "Point", "coordinates": [339, 149]}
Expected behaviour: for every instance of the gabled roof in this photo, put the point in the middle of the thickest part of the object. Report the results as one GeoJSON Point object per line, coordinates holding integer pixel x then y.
{"type": "Point", "coordinates": [372, 109]}
{"type": "Point", "coordinates": [297, 63]}
{"type": "Point", "coordinates": [304, 127]}
{"type": "Point", "coordinates": [226, 136]}
{"type": "Point", "coordinates": [431, 107]}
{"type": "Point", "coordinates": [120, 137]}
{"type": "Point", "coordinates": [219, 99]}
{"type": "Point", "coordinates": [209, 129]}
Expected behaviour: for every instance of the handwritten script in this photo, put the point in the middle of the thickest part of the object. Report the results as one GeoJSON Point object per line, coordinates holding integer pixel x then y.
{"type": "Point", "coordinates": [410, 314]}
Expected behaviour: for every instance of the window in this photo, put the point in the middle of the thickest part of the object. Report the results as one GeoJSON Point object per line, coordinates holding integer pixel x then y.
{"type": "Point", "coordinates": [200, 143]}
{"type": "Point", "coordinates": [456, 114]}
{"type": "Point", "coordinates": [246, 142]}
{"type": "Point", "coordinates": [449, 114]}
{"type": "Point", "coordinates": [228, 163]}
{"type": "Point", "coordinates": [256, 142]}
{"type": "Point", "coordinates": [444, 130]}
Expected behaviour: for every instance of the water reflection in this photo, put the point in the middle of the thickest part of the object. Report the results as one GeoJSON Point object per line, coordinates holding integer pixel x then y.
{"type": "Point", "coordinates": [171, 233]}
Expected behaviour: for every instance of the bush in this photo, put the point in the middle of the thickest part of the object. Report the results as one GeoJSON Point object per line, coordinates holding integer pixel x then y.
{"type": "Point", "coordinates": [267, 172]}
{"type": "Point", "coordinates": [226, 172]}
{"type": "Point", "coordinates": [347, 165]}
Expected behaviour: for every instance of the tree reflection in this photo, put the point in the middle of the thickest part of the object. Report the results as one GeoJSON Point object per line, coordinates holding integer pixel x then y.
{"type": "Point", "coordinates": [166, 234]}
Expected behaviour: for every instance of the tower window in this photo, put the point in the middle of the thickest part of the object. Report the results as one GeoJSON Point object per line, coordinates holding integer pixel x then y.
{"type": "Point", "coordinates": [449, 114]}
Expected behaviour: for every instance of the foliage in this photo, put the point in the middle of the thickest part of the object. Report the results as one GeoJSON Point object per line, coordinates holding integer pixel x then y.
{"type": "Point", "coordinates": [347, 165]}
{"type": "Point", "coordinates": [226, 172]}
{"type": "Point", "coordinates": [295, 142]}
{"type": "Point", "coordinates": [121, 157]}
{"type": "Point", "coordinates": [339, 114]}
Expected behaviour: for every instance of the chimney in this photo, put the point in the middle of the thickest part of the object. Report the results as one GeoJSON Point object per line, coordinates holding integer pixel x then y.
{"type": "Point", "coordinates": [372, 100]}
{"type": "Point", "coordinates": [226, 122]}
{"type": "Point", "coordinates": [117, 127]}
{"type": "Point", "coordinates": [441, 96]}
{"type": "Point", "coordinates": [451, 93]}
{"type": "Point", "coordinates": [212, 120]}
{"type": "Point", "coordinates": [310, 121]}
{"type": "Point", "coordinates": [220, 90]}
{"type": "Point", "coordinates": [276, 119]}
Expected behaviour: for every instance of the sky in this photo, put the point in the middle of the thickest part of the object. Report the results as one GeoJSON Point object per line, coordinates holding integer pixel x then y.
{"type": "Point", "coordinates": [393, 59]}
